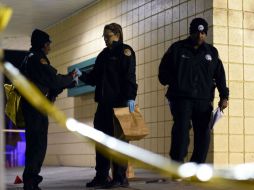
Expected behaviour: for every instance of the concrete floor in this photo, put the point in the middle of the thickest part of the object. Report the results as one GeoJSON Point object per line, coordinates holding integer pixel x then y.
{"type": "Point", "coordinates": [75, 178]}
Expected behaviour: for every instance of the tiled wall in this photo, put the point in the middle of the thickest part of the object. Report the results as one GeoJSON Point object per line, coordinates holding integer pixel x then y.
{"type": "Point", "coordinates": [234, 37]}
{"type": "Point", "coordinates": [16, 43]}
{"type": "Point", "coordinates": [150, 26]}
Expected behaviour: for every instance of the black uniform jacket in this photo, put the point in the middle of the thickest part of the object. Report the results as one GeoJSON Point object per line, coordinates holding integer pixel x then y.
{"type": "Point", "coordinates": [192, 73]}
{"type": "Point", "coordinates": [114, 75]}
{"type": "Point", "coordinates": [36, 67]}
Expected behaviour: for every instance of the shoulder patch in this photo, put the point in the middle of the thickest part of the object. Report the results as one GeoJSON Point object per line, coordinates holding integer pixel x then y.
{"type": "Point", "coordinates": [127, 52]}
{"type": "Point", "coordinates": [43, 61]}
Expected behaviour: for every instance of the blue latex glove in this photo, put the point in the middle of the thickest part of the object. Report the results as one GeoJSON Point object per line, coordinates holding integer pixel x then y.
{"type": "Point", "coordinates": [131, 105]}
{"type": "Point", "coordinates": [78, 72]}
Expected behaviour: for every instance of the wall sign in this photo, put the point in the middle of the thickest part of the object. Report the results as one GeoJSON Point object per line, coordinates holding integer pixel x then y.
{"type": "Point", "coordinates": [82, 88]}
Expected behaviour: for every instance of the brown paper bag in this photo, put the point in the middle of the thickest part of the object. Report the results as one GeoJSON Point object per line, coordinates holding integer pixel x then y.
{"type": "Point", "coordinates": [129, 126]}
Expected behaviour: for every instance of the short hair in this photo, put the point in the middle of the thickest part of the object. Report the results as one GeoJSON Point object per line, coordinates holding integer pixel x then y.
{"type": "Point", "coordinates": [116, 29]}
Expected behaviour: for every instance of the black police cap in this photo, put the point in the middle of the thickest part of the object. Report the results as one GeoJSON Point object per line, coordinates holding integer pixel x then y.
{"type": "Point", "coordinates": [39, 38]}
{"type": "Point", "coordinates": [198, 25]}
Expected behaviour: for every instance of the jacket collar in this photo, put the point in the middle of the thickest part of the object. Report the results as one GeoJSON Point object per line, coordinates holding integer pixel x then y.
{"type": "Point", "coordinates": [189, 44]}
{"type": "Point", "coordinates": [40, 53]}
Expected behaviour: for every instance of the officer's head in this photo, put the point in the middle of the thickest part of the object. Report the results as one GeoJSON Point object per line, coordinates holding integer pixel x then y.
{"type": "Point", "coordinates": [40, 41]}
{"type": "Point", "coordinates": [198, 30]}
{"type": "Point", "coordinates": [112, 32]}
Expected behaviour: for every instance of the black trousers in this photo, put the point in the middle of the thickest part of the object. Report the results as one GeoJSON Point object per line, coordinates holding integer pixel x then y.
{"type": "Point", "coordinates": [103, 121]}
{"type": "Point", "coordinates": [187, 113]}
{"type": "Point", "coordinates": [36, 126]}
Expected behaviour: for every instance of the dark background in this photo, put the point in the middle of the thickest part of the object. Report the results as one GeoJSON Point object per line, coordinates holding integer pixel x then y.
{"type": "Point", "coordinates": [15, 57]}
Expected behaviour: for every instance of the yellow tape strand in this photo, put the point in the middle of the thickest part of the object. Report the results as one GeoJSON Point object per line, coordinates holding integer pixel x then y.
{"type": "Point", "coordinates": [237, 177]}
{"type": "Point", "coordinates": [5, 15]}
{"type": "Point", "coordinates": [13, 131]}
{"type": "Point", "coordinates": [216, 178]}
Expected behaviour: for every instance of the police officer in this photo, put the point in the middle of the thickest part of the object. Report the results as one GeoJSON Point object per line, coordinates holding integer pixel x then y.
{"type": "Point", "coordinates": [192, 69]}
{"type": "Point", "coordinates": [37, 69]}
{"type": "Point", "coordinates": [115, 80]}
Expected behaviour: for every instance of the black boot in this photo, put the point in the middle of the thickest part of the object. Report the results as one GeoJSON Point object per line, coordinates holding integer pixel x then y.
{"type": "Point", "coordinates": [31, 186]}
{"type": "Point", "coordinates": [118, 183]}
{"type": "Point", "coordinates": [99, 182]}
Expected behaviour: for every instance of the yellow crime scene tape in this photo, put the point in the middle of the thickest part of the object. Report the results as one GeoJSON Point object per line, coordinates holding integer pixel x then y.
{"type": "Point", "coordinates": [5, 15]}
{"type": "Point", "coordinates": [13, 131]}
{"type": "Point", "coordinates": [234, 177]}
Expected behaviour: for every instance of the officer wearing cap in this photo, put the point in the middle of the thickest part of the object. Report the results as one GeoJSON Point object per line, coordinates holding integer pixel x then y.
{"type": "Point", "coordinates": [191, 69]}
{"type": "Point", "coordinates": [114, 75]}
{"type": "Point", "coordinates": [36, 67]}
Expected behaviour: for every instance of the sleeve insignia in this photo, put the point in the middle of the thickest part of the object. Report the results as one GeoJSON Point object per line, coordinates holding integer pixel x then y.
{"type": "Point", "coordinates": [127, 52]}
{"type": "Point", "coordinates": [43, 61]}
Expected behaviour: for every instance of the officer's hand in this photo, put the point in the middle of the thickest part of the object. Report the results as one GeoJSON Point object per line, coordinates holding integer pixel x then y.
{"type": "Point", "coordinates": [223, 103]}
{"type": "Point", "coordinates": [73, 73]}
{"type": "Point", "coordinates": [78, 72]}
{"type": "Point", "coordinates": [131, 105]}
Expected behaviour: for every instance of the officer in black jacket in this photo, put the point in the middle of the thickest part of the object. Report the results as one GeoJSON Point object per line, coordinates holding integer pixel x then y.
{"type": "Point", "coordinates": [115, 80]}
{"type": "Point", "coordinates": [192, 69]}
{"type": "Point", "coordinates": [36, 67]}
